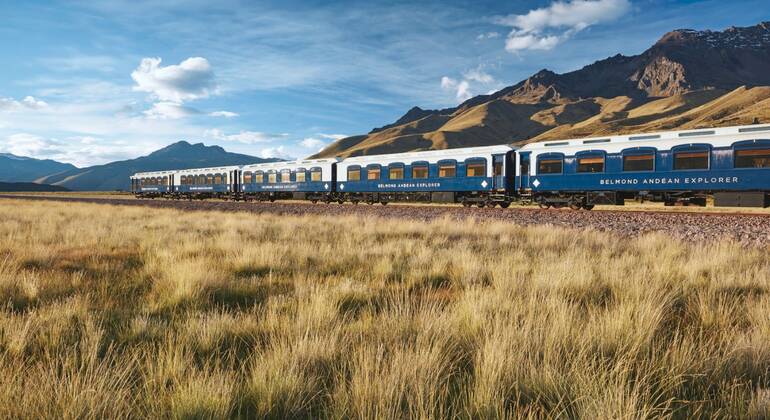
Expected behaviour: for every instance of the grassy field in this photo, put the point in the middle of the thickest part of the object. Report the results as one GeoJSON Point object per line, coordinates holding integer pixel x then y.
{"type": "Point", "coordinates": [115, 312]}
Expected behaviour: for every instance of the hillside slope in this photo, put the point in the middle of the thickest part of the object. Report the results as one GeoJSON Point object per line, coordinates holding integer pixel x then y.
{"type": "Point", "coordinates": [688, 79]}
{"type": "Point", "coordinates": [24, 169]}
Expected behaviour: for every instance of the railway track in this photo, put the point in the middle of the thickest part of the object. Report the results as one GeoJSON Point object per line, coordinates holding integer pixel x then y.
{"type": "Point", "coordinates": [746, 228]}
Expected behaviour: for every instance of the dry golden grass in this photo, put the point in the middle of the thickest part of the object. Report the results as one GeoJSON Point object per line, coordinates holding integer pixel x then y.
{"type": "Point", "coordinates": [116, 312]}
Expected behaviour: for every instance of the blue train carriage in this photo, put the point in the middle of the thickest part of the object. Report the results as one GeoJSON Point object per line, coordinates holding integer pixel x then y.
{"type": "Point", "coordinates": [153, 184]}
{"type": "Point", "coordinates": [472, 176]}
{"type": "Point", "coordinates": [733, 163]}
{"type": "Point", "coordinates": [202, 183]}
{"type": "Point", "coordinates": [302, 179]}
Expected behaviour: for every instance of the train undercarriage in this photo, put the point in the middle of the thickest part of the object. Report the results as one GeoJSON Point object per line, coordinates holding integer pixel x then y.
{"type": "Point", "coordinates": [575, 200]}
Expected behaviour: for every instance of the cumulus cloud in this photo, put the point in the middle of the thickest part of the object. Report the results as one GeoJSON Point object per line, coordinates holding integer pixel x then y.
{"type": "Point", "coordinates": [279, 152]}
{"type": "Point", "coordinates": [191, 79]}
{"type": "Point", "coordinates": [224, 114]}
{"type": "Point", "coordinates": [29, 102]}
{"type": "Point", "coordinates": [462, 88]}
{"type": "Point", "coordinates": [547, 27]}
{"type": "Point", "coordinates": [245, 137]}
{"type": "Point", "coordinates": [169, 111]}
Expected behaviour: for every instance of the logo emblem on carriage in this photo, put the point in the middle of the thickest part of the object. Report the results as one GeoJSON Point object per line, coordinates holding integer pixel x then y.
{"type": "Point", "coordinates": [326, 186]}
{"type": "Point", "coordinates": [536, 183]}
{"type": "Point", "coordinates": [342, 186]}
{"type": "Point", "coordinates": [484, 183]}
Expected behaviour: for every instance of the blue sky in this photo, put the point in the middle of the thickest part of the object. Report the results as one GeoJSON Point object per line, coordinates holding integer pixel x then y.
{"type": "Point", "coordinates": [91, 82]}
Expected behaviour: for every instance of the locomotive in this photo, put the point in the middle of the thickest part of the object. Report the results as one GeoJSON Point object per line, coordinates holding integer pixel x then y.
{"type": "Point", "coordinates": [732, 163]}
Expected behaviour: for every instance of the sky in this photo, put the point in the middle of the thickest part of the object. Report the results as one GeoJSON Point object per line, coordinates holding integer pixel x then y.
{"type": "Point", "coordinates": [90, 82]}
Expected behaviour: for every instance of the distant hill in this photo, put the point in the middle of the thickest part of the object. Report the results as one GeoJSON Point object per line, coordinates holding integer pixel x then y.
{"type": "Point", "coordinates": [688, 79]}
{"type": "Point", "coordinates": [29, 187]}
{"type": "Point", "coordinates": [115, 175]}
{"type": "Point", "coordinates": [23, 169]}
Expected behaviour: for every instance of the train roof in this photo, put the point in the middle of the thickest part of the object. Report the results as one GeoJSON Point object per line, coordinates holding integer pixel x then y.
{"type": "Point", "coordinates": [151, 174]}
{"type": "Point", "coordinates": [723, 136]}
{"type": "Point", "coordinates": [428, 155]}
{"type": "Point", "coordinates": [292, 164]}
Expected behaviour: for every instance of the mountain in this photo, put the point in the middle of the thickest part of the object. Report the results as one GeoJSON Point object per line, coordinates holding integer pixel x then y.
{"type": "Point", "coordinates": [115, 175]}
{"type": "Point", "coordinates": [23, 169]}
{"type": "Point", "coordinates": [29, 187]}
{"type": "Point", "coordinates": [688, 79]}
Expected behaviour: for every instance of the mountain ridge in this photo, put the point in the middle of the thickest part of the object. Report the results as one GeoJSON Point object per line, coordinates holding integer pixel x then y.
{"type": "Point", "coordinates": [115, 175]}
{"type": "Point", "coordinates": [668, 86]}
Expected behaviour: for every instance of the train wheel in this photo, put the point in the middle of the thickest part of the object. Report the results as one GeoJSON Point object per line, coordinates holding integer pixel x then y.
{"type": "Point", "coordinates": [466, 203]}
{"type": "Point", "coordinates": [481, 204]}
{"type": "Point", "coordinates": [505, 204]}
{"type": "Point", "coordinates": [575, 206]}
{"type": "Point", "coordinates": [341, 201]}
{"type": "Point", "coordinates": [544, 205]}
{"type": "Point", "coordinates": [588, 207]}
{"type": "Point", "coordinates": [355, 202]}
{"type": "Point", "coordinates": [384, 203]}
{"type": "Point", "coordinates": [314, 201]}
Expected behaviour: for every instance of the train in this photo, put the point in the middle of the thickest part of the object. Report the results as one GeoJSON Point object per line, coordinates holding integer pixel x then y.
{"type": "Point", "coordinates": [732, 164]}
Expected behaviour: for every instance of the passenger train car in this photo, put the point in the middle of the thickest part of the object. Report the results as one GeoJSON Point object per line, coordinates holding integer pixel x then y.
{"type": "Point", "coordinates": [733, 163]}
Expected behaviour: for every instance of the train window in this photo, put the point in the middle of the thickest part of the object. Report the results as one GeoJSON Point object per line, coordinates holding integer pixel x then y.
{"type": "Point", "coordinates": [247, 177]}
{"type": "Point", "coordinates": [396, 172]}
{"type": "Point", "coordinates": [183, 180]}
{"type": "Point", "coordinates": [259, 177]}
{"type": "Point", "coordinates": [300, 176]}
{"type": "Point", "coordinates": [636, 163]}
{"type": "Point", "coordinates": [549, 166]}
{"type": "Point", "coordinates": [752, 158]}
{"type": "Point", "coordinates": [420, 172]}
{"type": "Point", "coordinates": [591, 164]}
{"type": "Point", "coordinates": [373, 173]}
{"type": "Point", "coordinates": [315, 176]}
{"type": "Point", "coordinates": [447, 170]}
{"type": "Point", "coordinates": [691, 160]}
{"type": "Point", "coordinates": [272, 178]}
{"type": "Point", "coordinates": [286, 176]}
{"type": "Point", "coordinates": [209, 179]}
{"type": "Point", "coordinates": [202, 179]}
{"type": "Point", "coordinates": [165, 181]}
{"type": "Point", "coordinates": [474, 169]}
{"type": "Point", "coordinates": [218, 179]}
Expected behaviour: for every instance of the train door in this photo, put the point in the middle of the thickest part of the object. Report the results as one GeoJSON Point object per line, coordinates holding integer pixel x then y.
{"type": "Point", "coordinates": [171, 187]}
{"type": "Point", "coordinates": [235, 181]}
{"type": "Point", "coordinates": [498, 165]}
{"type": "Point", "coordinates": [524, 170]}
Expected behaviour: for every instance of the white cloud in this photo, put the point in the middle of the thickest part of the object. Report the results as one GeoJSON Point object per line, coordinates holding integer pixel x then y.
{"type": "Point", "coordinates": [279, 152]}
{"type": "Point", "coordinates": [30, 145]}
{"type": "Point", "coordinates": [313, 143]}
{"type": "Point", "coordinates": [463, 91]}
{"type": "Point", "coordinates": [333, 136]}
{"type": "Point", "coordinates": [488, 35]}
{"type": "Point", "coordinates": [169, 110]}
{"type": "Point", "coordinates": [191, 79]}
{"type": "Point", "coordinates": [475, 79]}
{"type": "Point", "coordinates": [478, 75]}
{"type": "Point", "coordinates": [448, 83]}
{"type": "Point", "coordinates": [545, 28]}
{"type": "Point", "coordinates": [224, 114]}
{"type": "Point", "coordinates": [29, 102]}
{"type": "Point", "coordinates": [246, 137]}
